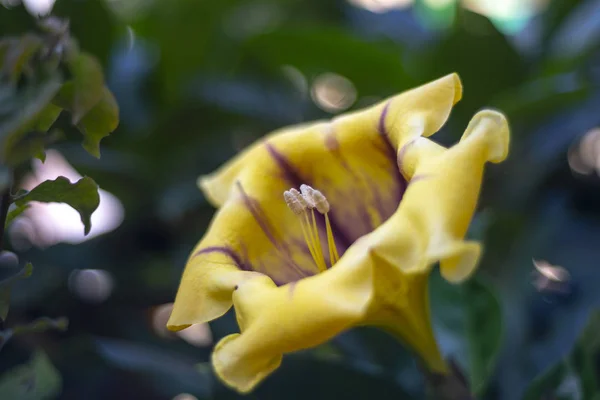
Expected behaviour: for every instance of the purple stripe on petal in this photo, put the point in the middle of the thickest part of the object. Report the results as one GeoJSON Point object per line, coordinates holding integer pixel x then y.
{"type": "Point", "coordinates": [237, 260]}
{"type": "Point", "coordinates": [381, 125]}
{"type": "Point", "coordinates": [331, 142]}
{"type": "Point", "coordinates": [402, 153]}
{"type": "Point", "coordinates": [380, 206]}
{"type": "Point", "coordinates": [290, 173]}
{"type": "Point", "coordinates": [258, 216]}
{"type": "Point", "coordinates": [390, 151]}
{"type": "Point", "coordinates": [261, 218]}
{"type": "Point", "coordinates": [293, 177]}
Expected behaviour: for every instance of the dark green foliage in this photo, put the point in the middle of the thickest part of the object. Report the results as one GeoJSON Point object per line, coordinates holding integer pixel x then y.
{"type": "Point", "coordinates": [81, 195]}
{"type": "Point", "coordinates": [197, 81]}
{"type": "Point", "coordinates": [471, 315]}
{"type": "Point", "coordinates": [36, 380]}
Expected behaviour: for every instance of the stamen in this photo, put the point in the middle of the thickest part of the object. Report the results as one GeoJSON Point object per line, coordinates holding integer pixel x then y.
{"type": "Point", "coordinates": [317, 240]}
{"type": "Point", "coordinates": [297, 203]}
{"type": "Point", "coordinates": [300, 203]}
{"type": "Point", "coordinates": [312, 196]}
{"type": "Point", "coordinates": [320, 201]}
{"type": "Point", "coordinates": [293, 202]}
{"type": "Point", "coordinates": [333, 254]}
{"type": "Point", "coordinates": [299, 198]}
{"type": "Point", "coordinates": [322, 205]}
{"type": "Point", "coordinates": [307, 194]}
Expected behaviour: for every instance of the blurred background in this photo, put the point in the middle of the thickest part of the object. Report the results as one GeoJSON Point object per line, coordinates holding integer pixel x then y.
{"type": "Point", "coordinates": [197, 81]}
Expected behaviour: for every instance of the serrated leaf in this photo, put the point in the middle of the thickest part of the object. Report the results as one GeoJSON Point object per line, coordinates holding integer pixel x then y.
{"type": "Point", "coordinates": [99, 123]}
{"type": "Point", "coordinates": [82, 196]}
{"type": "Point", "coordinates": [36, 380]}
{"type": "Point", "coordinates": [86, 88]}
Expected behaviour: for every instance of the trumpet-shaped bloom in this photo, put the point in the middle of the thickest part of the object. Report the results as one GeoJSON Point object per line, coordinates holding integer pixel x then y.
{"type": "Point", "coordinates": [397, 203]}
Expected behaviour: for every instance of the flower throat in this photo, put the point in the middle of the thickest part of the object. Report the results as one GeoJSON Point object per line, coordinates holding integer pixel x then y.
{"type": "Point", "coordinates": [300, 202]}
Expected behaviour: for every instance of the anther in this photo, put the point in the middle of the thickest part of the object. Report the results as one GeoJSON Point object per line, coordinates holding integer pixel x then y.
{"type": "Point", "coordinates": [309, 199]}
{"type": "Point", "coordinates": [307, 194]}
{"type": "Point", "coordinates": [320, 201]}
{"type": "Point", "coordinates": [299, 197]}
{"type": "Point", "coordinates": [293, 202]}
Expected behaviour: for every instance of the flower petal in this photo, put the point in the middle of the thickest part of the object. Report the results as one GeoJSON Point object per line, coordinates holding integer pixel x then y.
{"type": "Point", "coordinates": [440, 201]}
{"type": "Point", "coordinates": [351, 159]}
{"type": "Point", "coordinates": [205, 290]}
{"type": "Point", "coordinates": [277, 320]}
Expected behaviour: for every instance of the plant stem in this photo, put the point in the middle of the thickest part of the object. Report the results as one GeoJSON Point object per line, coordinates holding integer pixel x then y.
{"type": "Point", "coordinates": [4, 204]}
{"type": "Point", "coordinates": [450, 386]}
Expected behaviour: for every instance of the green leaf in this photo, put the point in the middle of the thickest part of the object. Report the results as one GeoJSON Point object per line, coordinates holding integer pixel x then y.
{"type": "Point", "coordinates": [14, 213]}
{"type": "Point", "coordinates": [29, 145]}
{"type": "Point", "coordinates": [86, 88]}
{"type": "Point", "coordinates": [36, 380]}
{"type": "Point", "coordinates": [579, 364]}
{"type": "Point", "coordinates": [547, 383]}
{"type": "Point", "coordinates": [16, 54]}
{"type": "Point", "coordinates": [82, 196]}
{"type": "Point", "coordinates": [24, 272]}
{"type": "Point", "coordinates": [484, 330]}
{"type": "Point", "coordinates": [584, 354]}
{"type": "Point", "coordinates": [46, 118]}
{"type": "Point", "coordinates": [26, 109]}
{"type": "Point", "coordinates": [472, 316]}
{"type": "Point", "coordinates": [99, 123]}
{"type": "Point", "coordinates": [32, 139]}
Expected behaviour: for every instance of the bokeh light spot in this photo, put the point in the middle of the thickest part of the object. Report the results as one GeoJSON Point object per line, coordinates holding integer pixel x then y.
{"type": "Point", "coordinates": [185, 396]}
{"type": "Point", "coordinates": [39, 8]}
{"type": "Point", "coordinates": [333, 93]}
{"type": "Point", "coordinates": [584, 157]}
{"type": "Point", "coordinates": [198, 335]}
{"type": "Point", "coordinates": [91, 285]}
{"type": "Point", "coordinates": [381, 6]}
{"type": "Point", "coordinates": [160, 316]}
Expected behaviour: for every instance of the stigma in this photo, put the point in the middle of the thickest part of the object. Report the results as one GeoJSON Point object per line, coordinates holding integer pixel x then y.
{"type": "Point", "coordinates": [303, 204]}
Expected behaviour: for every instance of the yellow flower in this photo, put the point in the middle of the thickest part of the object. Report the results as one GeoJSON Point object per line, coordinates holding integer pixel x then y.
{"type": "Point", "coordinates": [395, 204]}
